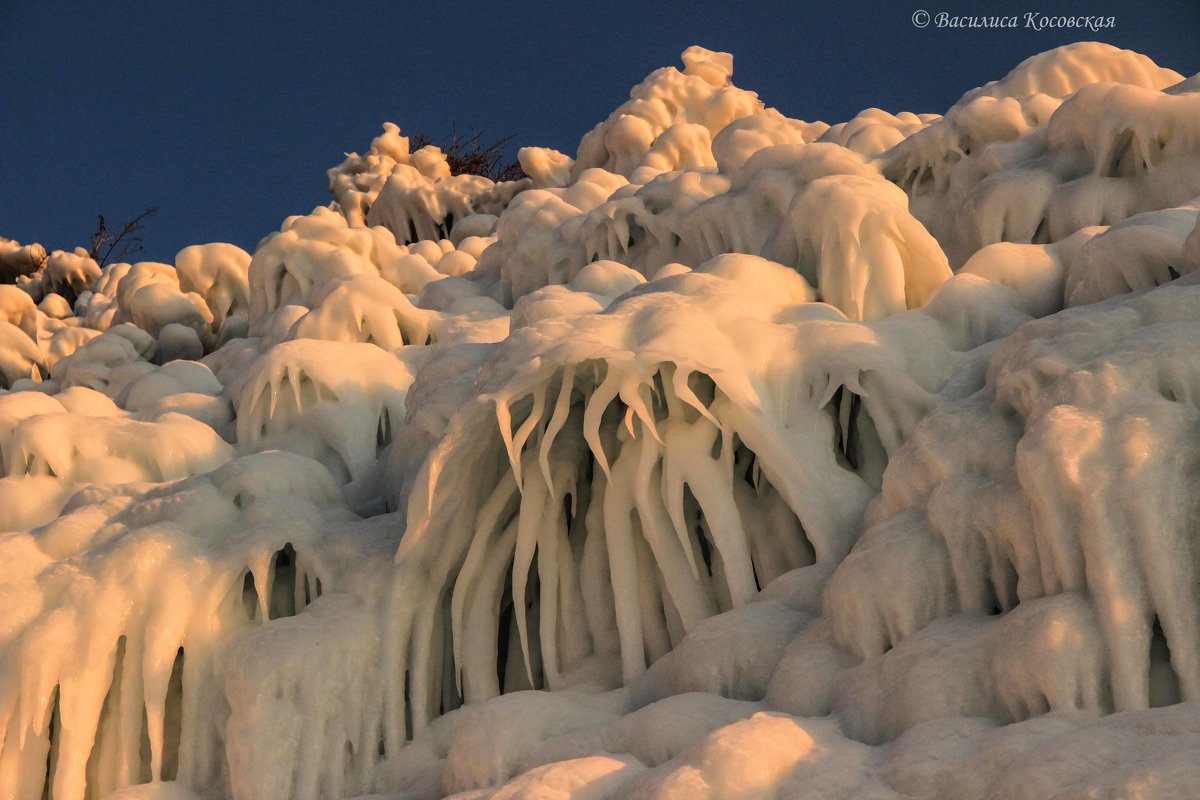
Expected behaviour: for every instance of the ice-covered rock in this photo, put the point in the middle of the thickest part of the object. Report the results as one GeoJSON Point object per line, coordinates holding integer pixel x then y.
{"type": "Point", "coordinates": [688, 467]}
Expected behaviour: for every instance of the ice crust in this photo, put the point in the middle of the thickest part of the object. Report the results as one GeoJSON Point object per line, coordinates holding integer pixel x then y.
{"type": "Point", "coordinates": [735, 456]}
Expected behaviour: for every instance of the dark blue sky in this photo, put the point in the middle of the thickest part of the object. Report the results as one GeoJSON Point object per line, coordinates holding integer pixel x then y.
{"type": "Point", "coordinates": [225, 115]}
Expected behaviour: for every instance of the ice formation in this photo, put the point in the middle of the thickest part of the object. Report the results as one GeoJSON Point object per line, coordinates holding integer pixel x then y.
{"type": "Point", "coordinates": [735, 456]}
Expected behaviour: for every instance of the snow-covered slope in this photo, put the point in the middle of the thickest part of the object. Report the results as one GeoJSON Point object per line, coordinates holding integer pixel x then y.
{"type": "Point", "coordinates": [736, 456]}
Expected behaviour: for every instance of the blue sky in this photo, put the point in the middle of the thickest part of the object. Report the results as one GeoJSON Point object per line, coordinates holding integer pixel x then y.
{"type": "Point", "coordinates": [225, 115]}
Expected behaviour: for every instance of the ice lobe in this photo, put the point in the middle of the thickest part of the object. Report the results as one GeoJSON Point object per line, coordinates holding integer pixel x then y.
{"type": "Point", "coordinates": [357, 181]}
{"type": "Point", "coordinates": [869, 259]}
{"type": "Point", "coordinates": [653, 470]}
{"type": "Point", "coordinates": [365, 308]}
{"type": "Point", "coordinates": [339, 403]}
{"type": "Point", "coordinates": [414, 208]}
{"type": "Point", "coordinates": [190, 308]}
{"type": "Point", "coordinates": [18, 261]}
{"type": "Point", "coordinates": [414, 195]}
{"type": "Point", "coordinates": [1092, 410]}
{"type": "Point", "coordinates": [1141, 252]}
{"type": "Point", "coordinates": [669, 120]}
{"type": "Point", "coordinates": [69, 274]}
{"type": "Point", "coordinates": [20, 357]}
{"type": "Point", "coordinates": [291, 266]}
{"type": "Point", "coordinates": [1063, 70]}
{"type": "Point", "coordinates": [875, 131]}
{"type": "Point", "coordinates": [1076, 137]}
{"type": "Point", "coordinates": [151, 614]}
{"type": "Point", "coordinates": [218, 273]}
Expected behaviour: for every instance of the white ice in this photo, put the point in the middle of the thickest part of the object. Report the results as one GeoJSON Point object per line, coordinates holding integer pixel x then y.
{"type": "Point", "coordinates": [731, 456]}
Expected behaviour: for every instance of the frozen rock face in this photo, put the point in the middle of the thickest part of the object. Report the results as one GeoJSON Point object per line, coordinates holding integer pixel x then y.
{"type": "Point", "coordinates": [736, 455]}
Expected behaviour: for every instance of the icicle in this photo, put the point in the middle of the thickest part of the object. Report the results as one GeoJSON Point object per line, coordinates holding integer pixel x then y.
{"type": "Point", "coordinates": [727, 451]}
{"type": "Point", "coordinates": [532, 517]}
{"type": "Point", "coordinates": [558, 418]}
{"type": "Point", "coordinates": [666, 377]}
{"type": "Point", "coordinates": [157, 671]}
{"type": "Point", "coordinates": [426, 673]}
{"type": "Point", "coordinates": [522, 435]}
{"type": "Point", "coordinates": [573, 635]}
{"type": "Point", "coordinates": [1144, 147]}
{"type": "Point", "coordinates": [435, 668]}
{"type": "Point", "coordinates": [480, 625]}
{"type": "Point", "coordinates": [679, 382]}
{"type": "Point", "coordinates": [23, 767]}
{"type": "Point", "coordinates": [273, 386]}
{"type": "Point", "coordinates": [550, 533]}
{"type": "Point", "coordinates": [299, 601]}
{"type": "Point", "coordinates": [486, 523]}
{"type": "Point", "coordinates": [260, 568]}
{"type": "Point", "coordinates": [407, 589]}
{"type": "Point", "coordinates": [295, 382]}
{"type": "Point", "coordinates": [198, 745]}
{"type": "Point", "coordinates": [786, 531]}
{"type": "Point", "coordinates": [656, 388]}
{"type": "Point", "coordinates": [631, 395]}
{"type": "Point", "coordinates": [765, 557]}
{"type": "Point", "coordinates": [552, 542]}
{"type": "Point", "coordinates": [421, 675]}
{"type": "Point", "coordinates": [426, 490]}
{"type": "Point", "coordinates": [623, 565]}
{"type": "Point", "coordinates": [594, 573]}
{"type": "Point", "coordinates": [711, 486]}
{"type": "Point", "coordinates": [675, 627]}
{"type": "Point", "coordinates": [80, 701]}
{"type": "Point", "coordinates": [673, 496]}
{"type": "Point", "coordinates": [685, 589]}
{"type": "Point", "coordinates": [657, 641]}
{"type": "Point", "coordinates": [594, 414]}
{"type": "Point", "coordinates": [831, 387]}
{"type": "Point", "coordinates": [504, 421]}
{"type": "Point", "coordinates": [131, 710]}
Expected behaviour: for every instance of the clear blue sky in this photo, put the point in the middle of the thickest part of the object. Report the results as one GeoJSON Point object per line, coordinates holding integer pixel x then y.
{"type": "Point", "coordinates": [225, 115]}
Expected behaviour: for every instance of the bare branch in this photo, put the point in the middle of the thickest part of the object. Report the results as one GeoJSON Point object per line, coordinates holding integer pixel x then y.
{"type": "Point", "coordinates": [468, 154]}
{"type": "Point", "coordinates": [110, 247]}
